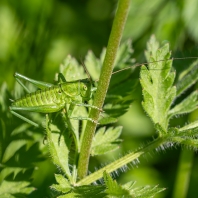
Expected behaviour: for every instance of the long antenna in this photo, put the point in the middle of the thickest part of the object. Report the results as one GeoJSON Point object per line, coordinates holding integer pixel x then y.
{"type": "Point", "coordinates": [137, 65]}
{"type": "Point", "coordinates": [87, 72]}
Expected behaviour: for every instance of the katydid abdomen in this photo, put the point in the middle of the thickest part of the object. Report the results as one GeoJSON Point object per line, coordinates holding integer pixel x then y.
{"type": "Point", "coordinates": [51, 97]}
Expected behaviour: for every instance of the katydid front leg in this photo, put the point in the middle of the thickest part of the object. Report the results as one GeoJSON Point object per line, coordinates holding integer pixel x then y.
{"type": "Point", "coordinates": [71, 108]}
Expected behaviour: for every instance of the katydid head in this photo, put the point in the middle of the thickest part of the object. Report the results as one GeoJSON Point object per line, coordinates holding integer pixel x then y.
{"type": "Point", "coordinates": [80, 87]}
{"type": "Point", "coordinates": [85, 89]}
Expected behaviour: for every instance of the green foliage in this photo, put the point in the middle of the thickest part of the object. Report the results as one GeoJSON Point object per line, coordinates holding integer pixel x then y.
{"type": "Point", "coordinates": [59, 146]}
{"type": "Point", "coordinates": [187, 78]}
{"type": "Point", "coordinates": [188, 105]}
{"type": "Point", "coordinates": [17, 143]}
{"type": "Point", "coordinates": [106, 141]}
{"type": "Point", "coordinates": [36, 36]}
{"type": "Point", "coordinates": [119, 96]}
{"type": "Point", "coordinates": [122, 86]}
{"type": "Point", "coordinates": [157, 83]}
{"type": "Point", "coordinates": [63, 185]}
{"type": "Point", "coordinates": [113, 189]}
{"type": "Point", "coordinates": [128, 190]}
{"type": "Point", "coordinates": [109, 189]}
{"type": "Point", "coordinates": [64, 135]}
{"type": "Point", "coordinates": [159, 94]}
{"type": "Point", "coordinates": [10, 189]}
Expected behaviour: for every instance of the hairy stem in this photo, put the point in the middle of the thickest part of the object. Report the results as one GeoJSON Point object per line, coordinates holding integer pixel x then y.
{"type": "Point", "coordinates": [105, 76]}
{"type": "Point", "coordinates": [121, 162]}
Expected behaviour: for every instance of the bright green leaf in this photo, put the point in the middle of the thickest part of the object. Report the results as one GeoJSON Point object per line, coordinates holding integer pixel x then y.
{"type": "Point", "coordinates": [117, 105]}
{"type": "Point", "coordinates": [11, 188]}
{"type": "Point", "coordinates": [146, 191]}
{"type": "Point", "coordinates": [188, 105]}
{"type": "Point", "coordinates": [96, 191]}
{"type": "Point", "coordinates": [59, 145]}
{"type": "Point", "coordinates": [93, 65]}
{"type": "Point", "coordinates": [192, 125]}
{"type": "Point", "coordinates": [106, 140]}
{"type": "Point", "coordinates": [63, 185]}
{"type": "Point", "coordinates": [113, 189]}
{"type": "Point", "coordinates": [13, 147]}
{"type": "Point", "coordinates": [187, 79]}
{"type": "Point", "coordinates": [107, 120]}
{"type": "Point", "coordinates": [157, 81]}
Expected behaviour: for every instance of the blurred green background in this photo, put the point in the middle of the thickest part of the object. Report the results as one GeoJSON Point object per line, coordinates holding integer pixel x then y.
{"type": "Point", "coordinates": [35, 37]}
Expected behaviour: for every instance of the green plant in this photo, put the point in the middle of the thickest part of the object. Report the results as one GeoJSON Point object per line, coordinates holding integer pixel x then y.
{"type": "Point", "coordinates": [65, 137]}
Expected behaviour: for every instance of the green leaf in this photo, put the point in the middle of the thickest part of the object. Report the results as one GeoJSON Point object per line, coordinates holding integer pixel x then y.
{"type": "Point", "coordinates": [146, 191]}
{"type": "Point", "coordinates": [94, 64]}
{"type": "Point", "coordinates": [123, 59]}
{"type": "Point", "coordinates": [117, 105]}
{"type": "Point", "coordinates": [128, 190]}
{"type": "Point", "coordinates": [9, 188]}
{"type": "Point", "coordinates": [107, 120]}
{"type": "Point", "coordinates": [188, 105]}
{"type": "Point", "coordinates": [113, 189]}
{"type": "Point", "coordinates": [17, 143]}
{"type": "Point", "coordinates": [7, 171]}
{"type": "Point", "coordinates": [124, 55]}
{"type": "Point", "coordinates": [192, 125]}
{"type": "Point", "coordinates": [123, 84]}
{"type": "Point", "coordinates": [106, 141]}
{"type": "Point", "coordinates": [96, 191]}
{"type": "Point", "coordinates": [13, 147]}
{"type": "Point", "coordinates": [186, 135]}
{"type": "Point", "coordinates": [63, 185]}
{"type": "Point", "coordinates": [71, 70]}
{"type": "Point", "coordinates": [187, 78]}
{"type": "Point", "coordinates": [188, 142]}
{"type": "Point", "coordinates": [90, 191]}
{"type": "Point", "coordinates": [157, 81]}
{"type": "Point", "coordinates": [58, 145]}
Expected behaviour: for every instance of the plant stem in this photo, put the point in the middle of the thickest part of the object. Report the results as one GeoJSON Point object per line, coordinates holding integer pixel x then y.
{"type": "Point", "coordinates": [183, 174]}
{"type": "Point", "coordinates": [121, 162]}
{"type": "Point", "coordinates": [105, 76]}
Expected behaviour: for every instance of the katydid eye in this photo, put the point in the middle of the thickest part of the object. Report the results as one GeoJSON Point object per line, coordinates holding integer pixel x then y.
{"type": "Point", "coordinates": [85, 87]}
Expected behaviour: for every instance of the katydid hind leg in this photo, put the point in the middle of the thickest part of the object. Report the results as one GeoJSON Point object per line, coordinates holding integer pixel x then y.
{"type": "Point", "coordinates": [40, 109]}
{"type": "Point", "coordinates": [39, 84]}
{"type": "Point", "coordinates": [24, 119]}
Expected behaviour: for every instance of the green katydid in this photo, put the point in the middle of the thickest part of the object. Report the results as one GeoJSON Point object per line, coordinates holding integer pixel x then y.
{"type": "Point", "coordinates": [53, 98]}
